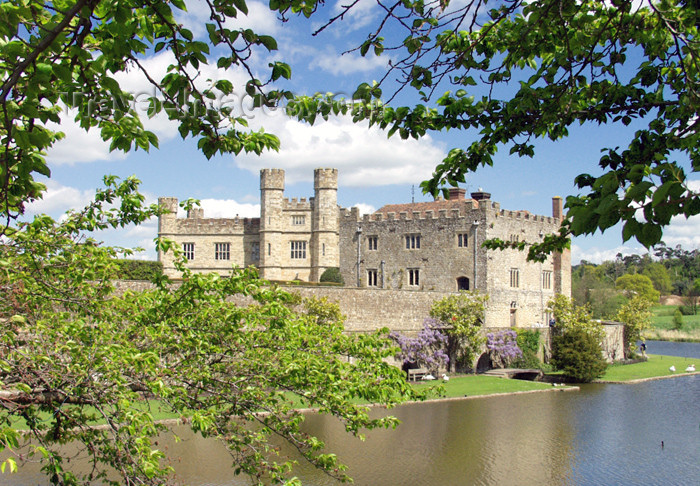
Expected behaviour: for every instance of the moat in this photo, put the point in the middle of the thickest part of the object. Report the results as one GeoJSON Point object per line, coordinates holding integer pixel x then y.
{"type": "Point", "coordinates": [602, 434]}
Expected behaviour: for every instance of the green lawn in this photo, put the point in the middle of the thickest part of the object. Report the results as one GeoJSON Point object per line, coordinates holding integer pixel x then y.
{"type": "Point", "coordinates": [477, 385]}
{"type": "Point", "coordinates": [655, 366]}
{"type": "Point", "coordinates": [662, 325]}
{"type": "Point", "coordinates": [663, 318]}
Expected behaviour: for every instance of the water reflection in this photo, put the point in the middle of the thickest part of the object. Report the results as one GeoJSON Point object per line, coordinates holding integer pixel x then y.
{"type": "Point", "coordinates": [602, 434]}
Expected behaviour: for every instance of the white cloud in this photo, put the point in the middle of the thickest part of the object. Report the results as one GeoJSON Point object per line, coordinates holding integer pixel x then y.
{"type": "Point", "coordinates": [359, 16]}
{"type": "Point", "coordinates": [79, 145]}
{"type": "Point", "coordinates": [364, 156]}
{"type": "Point", "coordinates": [228, 208]}
{"type": "Point", "coordinates": [365, 208]}
{"type": "Point", "coordinates": [345, 64]}
{"type": "Point", "coordinates": [58, 199]}
{"type": "Point", "coordinates": [599, 255]}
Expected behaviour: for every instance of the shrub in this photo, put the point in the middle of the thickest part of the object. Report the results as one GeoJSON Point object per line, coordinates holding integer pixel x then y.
{"type": "Point", "coordinates": [139, 269]}
{"type": "Point", "coordinates": [426, 350]}
{"type": "Point", "coordinates": [578, 355]}
{"type": "Point", "coordinates": [503, 347]}
{"type": "Point", "coordinates": [332, 275]}
{"type": "Point", "coordinates": [529, 343]}
{"type": "Point", "coordinates": [677, 320]}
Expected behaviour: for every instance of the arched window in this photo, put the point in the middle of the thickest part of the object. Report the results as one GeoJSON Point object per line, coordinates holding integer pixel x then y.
{"type": "Point", "coordinates": [462, 283]}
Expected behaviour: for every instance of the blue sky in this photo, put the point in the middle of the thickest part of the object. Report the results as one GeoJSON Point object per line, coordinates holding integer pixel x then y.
{"type": "Point", "coordinates": [374, 170]}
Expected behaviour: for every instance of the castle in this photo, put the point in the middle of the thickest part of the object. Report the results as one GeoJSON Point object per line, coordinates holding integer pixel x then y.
{"type": "Point", "coordinates": [426, 246]}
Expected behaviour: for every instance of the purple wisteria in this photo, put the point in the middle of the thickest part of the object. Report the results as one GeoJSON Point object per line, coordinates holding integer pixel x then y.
{"type": "Point", "coordinates": [426, 350]}
{"type": "Point", "coordinates": [503, 347]}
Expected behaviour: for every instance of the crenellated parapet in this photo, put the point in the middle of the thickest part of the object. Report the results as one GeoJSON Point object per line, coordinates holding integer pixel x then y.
{"type": "Point", "coordinates": [295, 204]}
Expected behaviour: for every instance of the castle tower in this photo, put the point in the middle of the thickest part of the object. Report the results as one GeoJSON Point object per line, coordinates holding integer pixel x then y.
{"type": "Point", "coordinates": [271, 223]}
{"type": "Point", "coordinates": [325, 223]}
{"type": "Point", "coordinates": [561, 261]}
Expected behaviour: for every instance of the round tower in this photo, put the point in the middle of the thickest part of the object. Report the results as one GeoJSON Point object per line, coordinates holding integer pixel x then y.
{"type": "Point", "coordinates": [271, 223]}
{"type": "Point", "coordinates": [325, 229]}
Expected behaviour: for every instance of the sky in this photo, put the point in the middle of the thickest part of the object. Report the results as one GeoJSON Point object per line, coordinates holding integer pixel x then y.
{"type": "Point", "coordinates": [373, 170]}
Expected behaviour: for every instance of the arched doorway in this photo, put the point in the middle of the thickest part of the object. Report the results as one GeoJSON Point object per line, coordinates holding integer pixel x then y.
{"type": "Point", "coordinates": [462, 283]}
{"type": "Point", "coordinates": [484, 363]}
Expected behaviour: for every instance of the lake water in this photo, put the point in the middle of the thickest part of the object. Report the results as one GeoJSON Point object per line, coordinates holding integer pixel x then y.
{"type": "Point", "coordinates": [600, 435]}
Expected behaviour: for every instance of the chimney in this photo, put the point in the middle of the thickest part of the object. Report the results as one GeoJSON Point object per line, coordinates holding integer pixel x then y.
{"type": "Point", "coordinates": [480, 195]}
{"type": "Point", "coordinates": [456, 193]}
{"type": "Point", "coordinates": [557, 208]}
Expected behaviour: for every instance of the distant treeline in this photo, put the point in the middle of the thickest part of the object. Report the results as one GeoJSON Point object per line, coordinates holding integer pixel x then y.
{"type": "Point", "coordinates": [607, 285]}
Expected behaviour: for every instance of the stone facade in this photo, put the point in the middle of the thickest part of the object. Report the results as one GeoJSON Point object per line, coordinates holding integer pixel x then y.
{"type": "Point", "coordinates": [419, 247]}
{"type": "Point", "coordinates": [437, 246]}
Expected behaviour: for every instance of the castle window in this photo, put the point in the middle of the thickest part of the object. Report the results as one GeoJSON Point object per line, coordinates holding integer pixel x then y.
{"type": "Point", "coordinates": [222, 251]}
{"type": "Point", "coordinates": [255, 251]}
{"type": "Point", "coordinates": [412, 242]}
{"type": "Point", "coordinates": [269, 249]}
{"type": "Point", "coordinates": [188, 250]}
{"type": "Point", "coordinates": [372, 278]}
{"type": "Point", "coordinates": [546, 279]}
{"type": "Point", "coordinates": [323, 249]}
{"type": "Point", "coordinates": [372, 242]}
{"type": "Point", "coordinates": [298, 220]}
{"type": "Point", "coordinates": [413, 277]}
{"type": "Point", "coordinates": [298, 250]}
{"type": "Point", "coordinates": [462, 240]}
{"type": "Point", "coordinates": [514, 278]}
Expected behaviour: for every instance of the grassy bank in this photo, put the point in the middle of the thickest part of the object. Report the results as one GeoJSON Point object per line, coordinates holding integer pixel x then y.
{"type": "Point", "coordinates": [656, 366]}
{"type": "Point", "coordinates": [662, 326]}
{"type": "Point", "coordinates": [481, 385]}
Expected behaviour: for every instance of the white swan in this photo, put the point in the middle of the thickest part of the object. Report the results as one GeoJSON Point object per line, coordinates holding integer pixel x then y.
{"type": "Point", "coordinates": [690, 368]}
{"type": "Point", "coordinates": [672, 369]}
{"type": "Point", "coordinates": [447, 378]}
{"type": "Point", "coordinates": [428, 377]}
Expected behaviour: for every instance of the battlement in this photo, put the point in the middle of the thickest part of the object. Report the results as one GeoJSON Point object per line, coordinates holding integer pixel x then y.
{"type": "Point", "coordinates": [295, 204]}
{"type": "Point", "coordinates": [218, 225]}
{"type": "Point", "coordinates": [272, 179]}
{"type": "Point", "coordinates": [527, 216]}
{"type": "Point", "coordinates": [325, 179]}
{"type": "Point", "coordinates": [169, 203]}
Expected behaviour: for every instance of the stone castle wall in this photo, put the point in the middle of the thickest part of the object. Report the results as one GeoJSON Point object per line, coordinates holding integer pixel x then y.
{"type": "Point", "coordinates": [368, 310]}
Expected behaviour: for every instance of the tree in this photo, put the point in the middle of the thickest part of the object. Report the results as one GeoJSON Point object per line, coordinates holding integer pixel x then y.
{"type": "Point", "coordinates": [460, 317]}
{"type": "Point", "coordinates": [636, 316]}
{"type": "Point", "coordinates": [677, 322]}
{"type": "Point", "coordinates": [70, 51]}
{"type": "Point", "coordinates": [73, 353]}
{"type": "Point", "coordinates": [691, 299]}
{"type": "Point", "coordinates": [229, 354]}
{"type": "Point", "coordinates": [578, 354]}
{"type": "Point", "coordinates": [659, 277]}
{"type": "Point", "coordinates": [524, 70]}
{"type": "Point", "coordinates": [568, 316]}
{"type": "Point", "coordinates": [332, 275]}
{"type": "Point", "coordinates": [638, 285]}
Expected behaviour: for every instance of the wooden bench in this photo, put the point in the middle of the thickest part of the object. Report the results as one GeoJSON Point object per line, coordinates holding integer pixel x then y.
{"type": "Point", "coordinates": [416, 374]}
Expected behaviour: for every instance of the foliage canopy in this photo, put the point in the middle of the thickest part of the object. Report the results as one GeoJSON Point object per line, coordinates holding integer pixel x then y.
{"type": "Point", "coordinates": [461, 317]}
{"type": "Point", "coordinates": [513, 71]}
{"type": "Point", "coordinates": [229, 353]}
